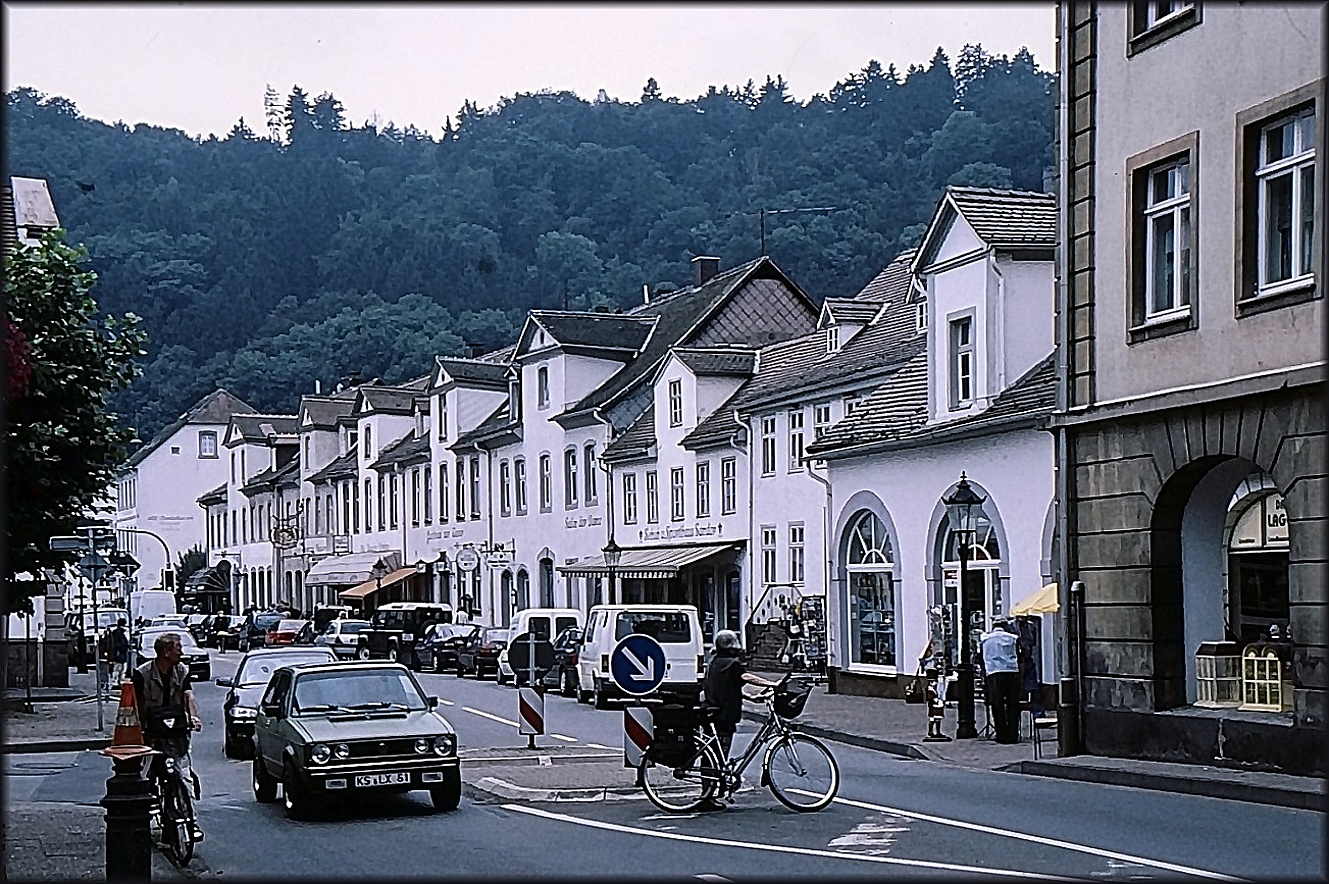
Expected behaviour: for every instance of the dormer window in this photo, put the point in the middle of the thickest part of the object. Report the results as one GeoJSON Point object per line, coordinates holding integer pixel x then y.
{"type": "Point", "coordinates": [832, 338]}
{"type": "Point", "coordinates": [962, 362]}
{"type": "Point", "coordinates": [514, 399]}
{"type": "Point", "coordinates": [369, 442]}
{"type": "Point", "coordinates": [676, 403]}
{"type": "Point", "coordinates": [921, 317]}
{"type": "Point", "coordinates": [442, 422]}
{"type": "Point", "coordinates": [542, 387]}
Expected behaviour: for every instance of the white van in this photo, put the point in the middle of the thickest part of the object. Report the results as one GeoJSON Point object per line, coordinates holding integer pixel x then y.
{"type": "Point", "coordinates": [150, 603]}
{"type": "Point", "coordinates": [675, 627]}
{"type": "Point", "coordinates": [546, 623]}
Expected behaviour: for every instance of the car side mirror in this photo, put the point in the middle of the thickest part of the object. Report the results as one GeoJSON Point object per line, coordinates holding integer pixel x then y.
{"type": "Point", "coordinates": [224, 682]}
{"type": "Point", "coordinates": [433, 702]}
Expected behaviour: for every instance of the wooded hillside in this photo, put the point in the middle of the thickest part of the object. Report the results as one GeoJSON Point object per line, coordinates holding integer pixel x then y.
{"type": "Point", "coordinates": [313, 248]}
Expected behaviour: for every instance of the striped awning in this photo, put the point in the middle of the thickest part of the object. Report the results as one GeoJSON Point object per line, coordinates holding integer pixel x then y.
{"type": "Point", "coordinates": [647, 563]}
{"type": "Point", "coordinates": [350, 569]}
{"type": "Point", "coordinates": [373, 585]}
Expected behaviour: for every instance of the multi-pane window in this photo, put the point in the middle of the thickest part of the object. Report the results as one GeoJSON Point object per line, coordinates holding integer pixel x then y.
{"type": "Point", "coordinates": [677, 501]}
{"type": "Point", "coordinates": [369, 506]}
{"type": "Point", "coordinates": [795, 417]}
{"type": "Point", "coordinates": [542, 387]}
{"type": "Point", "coordinates": [1285, 179]}
{"type": "Point", "coordinates": [461, 490]}
{"type": "Point", "coordinates": [546, 484]}
{"type": "Point", "coordinates": [570, 478]}
{"type": "Point", "coordinates": [429, 494]}
{"type": "Point", "coordinates": [768, 553]}
{"type": "Point", "coordinates": [728, 486]}
{"type": "Point", "coordinates": [652, 497]}
{"type": "Point", "coordinates": [962, 361]}
{"type": "Point", "coordinates": [851, 403]}
{"type": "Point", "coordinates": [588, 463]}
{"type": "Point", "coordinates": [382, 499]}
{"type": "Point", "coordinates": [1167, 236]}
{"type": "Point", "coordinates": [392, 500]}
{"type": "Point", "coordinates": [675, 403]}
{"type": "Point", "coordinates": [475, 488]}
{"type": "Point", "coordinates": [355, 507]}
{"type": "Point", "coordinates": [768, 445]}
{"type": "Point", "coordinates": [505, 488]}
{"type": "Point", "coordinates": [832, 338]}
{"type": "Point", "coordinates": [415, 496]}
{"type": "Point", "coordinates": [796, 537]}
{"type": "Point", "coordinates": [369, 443]}
{"type": "Point", "coordinates": [629, 498]}
{"type": "Point", "coordinates": [1151, 13]}
{"type": "Point", "coordinates": [821, 419]}
{"type": "Point", "coordinates": [921, 316]}
{"type": "Point", "coordinates": [703, 489]}
{"type": "Point", "coordinates": [442, 422]}
{"type": "Point", "coordinates": [207, 443]}
{"type": "Point", "coordinates": [346, 506]}
{"type": "Point", "coordinates": [444, 495]}
{"type": "Point", "coordinates": [519, 485]}
{"type": "Point", "coordinates": [1153, 21]}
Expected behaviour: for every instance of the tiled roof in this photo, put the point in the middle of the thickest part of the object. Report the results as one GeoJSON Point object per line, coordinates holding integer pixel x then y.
{"type": "Point", "coordinates": [635, 441]}
{"type": "Point", "coordinates": [218, 407]}
{"type": "Point", "coordinates": [258, 427]}
{"type": "Point", "coordinates": [498, 420]}
{"type": "Point", "coordinates": [390, 400]}
{"type": "Point", "coordinates": [475, 371]}
{"type": "Point", "coordinates": [894, 408]}
{"type": "Point", "coordinates": [717, 428]}
{"type": "Point", "coordinates": [718, 360]}
{"type": "Point", "coordinates": [216, 495]}
{"type": "Point", "coordinates": [267, 479]}
{"type": "Point", "coordinates": [851, 310]}
{"type": "Point", "coordinates": [343, 467]}
{"type": "Point", "coordinates": [1001, 217]}
{"type": "Point", "coordinates": [324, 411]}
{"type": "Point", "coordinates": [892, 283]}
{"type": "Point", "coordinates": [406, 450]}
{"type": "Point", "coordinates": [621, 331]}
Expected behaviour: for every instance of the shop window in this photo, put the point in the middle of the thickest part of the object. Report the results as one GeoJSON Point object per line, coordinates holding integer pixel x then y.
{"type": "Point", "coordinates": [872, 605]}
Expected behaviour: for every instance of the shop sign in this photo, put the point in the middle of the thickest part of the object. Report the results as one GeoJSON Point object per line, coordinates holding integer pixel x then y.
{"type": "Point", "coordinates": [467, 559]}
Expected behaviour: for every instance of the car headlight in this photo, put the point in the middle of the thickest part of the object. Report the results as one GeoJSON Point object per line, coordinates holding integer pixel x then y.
{"type": "Point", "coordinates": [422, 746]}
{"type": "Point", "coordinates": [445, 745]}
{"type": "Point", "coordinates": [239, 712]}
{"type": "Point", "coordinates": [342, 751]}
{"type": "Point", "coordinates": [319, 753]}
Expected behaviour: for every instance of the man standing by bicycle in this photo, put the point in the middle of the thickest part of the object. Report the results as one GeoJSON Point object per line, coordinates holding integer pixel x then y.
{"type": "Point", "coordinates": [722, 688]}
{"type": "Point", "coordinates": [167, 708]}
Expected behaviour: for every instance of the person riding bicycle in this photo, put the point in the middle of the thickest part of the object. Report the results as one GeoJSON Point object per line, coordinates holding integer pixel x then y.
{"type": "Point", "coordinates": [722, 689]}
{"type": "Point", "coordinates": [167, 709]}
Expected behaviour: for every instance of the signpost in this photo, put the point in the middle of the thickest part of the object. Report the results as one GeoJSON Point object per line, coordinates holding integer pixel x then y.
{"type": "Point", "coordinates": [528, 654]}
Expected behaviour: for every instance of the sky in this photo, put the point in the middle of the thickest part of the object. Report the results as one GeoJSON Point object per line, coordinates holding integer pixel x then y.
{"type": "Point", "coordinates": [201, 67]}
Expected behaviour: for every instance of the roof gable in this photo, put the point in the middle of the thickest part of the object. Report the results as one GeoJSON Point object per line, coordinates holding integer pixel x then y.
{"type": "Point", "coordinates": [1000, 218]}
{"type": "Point", "coordinates": [217, 407]}
{"type": "Point", "coordinates": [619, 334]}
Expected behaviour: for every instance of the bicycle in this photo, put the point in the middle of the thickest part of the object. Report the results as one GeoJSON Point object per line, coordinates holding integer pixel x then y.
{"type": "Point", "coordinates": [683, 774]}
{"type": "Point", "coordinates": [173, 810]}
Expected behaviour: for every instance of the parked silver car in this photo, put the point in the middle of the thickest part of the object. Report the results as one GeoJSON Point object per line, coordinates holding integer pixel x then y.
{"type": "Point", "coordinates": [339, 635]}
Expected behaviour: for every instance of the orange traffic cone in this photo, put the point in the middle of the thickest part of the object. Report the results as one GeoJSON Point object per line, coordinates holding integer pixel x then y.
{"type": "Point", "coordinates": [128, 730]}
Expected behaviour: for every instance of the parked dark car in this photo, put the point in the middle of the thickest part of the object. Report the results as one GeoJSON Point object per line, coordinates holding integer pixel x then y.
{"type": "Point", "coordinates": [343, 729]}
{"type": "Point", "coordinates": [198, 626]}
{"type": "Point", "coordinates": [438, 652]}
{"type": "Point", "coordinates": [396, 628]}
{"type": "Point", "coordinates": [563, 673]}
{"type": "Point", "coordinates": [254, 631]}
{"type": "Point", "coordinates": [196, 658]}
{"type": "Point", "coordinates": [240, 707]}
{"type": "Point", "coordinates": [479, 652]}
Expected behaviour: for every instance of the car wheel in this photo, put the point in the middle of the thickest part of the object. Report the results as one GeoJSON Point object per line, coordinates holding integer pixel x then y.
{"type": "Point", "coordinates": [500, 677]}
{"type": "Point", "coordinates": [265, 784]}
{"type": "Point", "coordinates": [414, 665]}
{"type": "Point", "coordinates": [569, 685]}
{"type": "Point", "coordinates": [582, 696]}
{"type": "Point", "coordinates": [362, 653]}
{"type": "Point", "coordinates": [293, 795]}
{"type": "Point", "coordinates": [393, 654]}
{"type": "Point", "coordinates": [230, 747]}
{"type": "Point", "coordinates": [448, 795]}
{"type": "Point", "coordinates": [598, 694]}
{"type": "Point", "coordinates": [461, 670]}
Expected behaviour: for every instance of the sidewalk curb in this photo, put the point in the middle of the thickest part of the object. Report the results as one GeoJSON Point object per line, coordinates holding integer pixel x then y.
{"type": "Point", "coordinates": [74, 745]}
{"type": "Point", "coordinates": [906, 750]}
{"type": "Point", "coordinates": [1232, 791]}
{"type": "Point", "coordinates": [512, 792]}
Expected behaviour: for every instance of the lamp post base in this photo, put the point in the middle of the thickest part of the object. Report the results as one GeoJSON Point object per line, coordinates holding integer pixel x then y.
{"type": "Point", "coordinates": [965, 727]}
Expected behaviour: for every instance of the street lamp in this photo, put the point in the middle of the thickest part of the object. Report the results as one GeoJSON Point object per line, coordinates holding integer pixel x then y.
{"type": "Point", "coordinates": [378, 572]}
{"type": "Point", "coordinates": [613, 553]}
{"type": "Point", "coordinates": [961, 508]}
{"type": "Point", "coordinates": [429, 568]}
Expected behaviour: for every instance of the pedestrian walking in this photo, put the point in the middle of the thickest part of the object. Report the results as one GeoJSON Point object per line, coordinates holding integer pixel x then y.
{"type": "Point", "coordinates": [1002, 667]}
{"type": "Point", "coordinates": [119, 652]}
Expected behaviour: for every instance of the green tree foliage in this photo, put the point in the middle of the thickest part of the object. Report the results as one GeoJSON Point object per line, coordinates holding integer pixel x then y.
{"type": "Point", "coordinates": [62, 441]}
{"type": "Point", "coordinates": [267, 261]}
{"type": "Point", "coordinates": [189, 563]}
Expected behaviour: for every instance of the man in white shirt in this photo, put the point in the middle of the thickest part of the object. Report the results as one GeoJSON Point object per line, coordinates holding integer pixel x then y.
{"type": "Point", "coordinates": [1003, 680]}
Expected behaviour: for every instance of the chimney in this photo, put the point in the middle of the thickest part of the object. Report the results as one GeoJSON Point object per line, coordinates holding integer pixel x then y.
{"type": "Point", "coordinates": [474, 349]}
{"type": "Point", "coordinates": [318, 386]}
{"type": "Point", "coordinates": [704, 267]}
{"type": "Point", "coordinates": [645, 293]}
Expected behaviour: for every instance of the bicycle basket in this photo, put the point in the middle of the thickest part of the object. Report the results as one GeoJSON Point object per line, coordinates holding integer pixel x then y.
{"type": "Point", "coordinates": [789, 704]}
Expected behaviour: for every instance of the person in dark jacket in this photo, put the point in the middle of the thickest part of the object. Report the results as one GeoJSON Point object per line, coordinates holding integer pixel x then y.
{"type": "Point", "coordinates": [722, 688]}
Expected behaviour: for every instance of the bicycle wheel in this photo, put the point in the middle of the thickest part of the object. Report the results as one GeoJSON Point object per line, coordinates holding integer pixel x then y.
{"type": "Point", "coordinates": [801, 772]}
{"type": "Point", "coordinates": [685, 788]}
{"type": "Point", "coordinates": [176, 830]}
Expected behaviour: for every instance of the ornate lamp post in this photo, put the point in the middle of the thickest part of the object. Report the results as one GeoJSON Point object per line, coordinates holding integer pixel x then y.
{"type": "Point", "coordinates": [961, 508]}
{"type": "Point", "coordinates": [378, 572]}
{"type": "Point", "coordinates": [613, 554]}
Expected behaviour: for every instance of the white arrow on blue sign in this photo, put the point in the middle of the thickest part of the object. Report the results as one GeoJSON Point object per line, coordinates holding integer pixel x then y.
{"type": "Point", "coordinates": [637, 664]}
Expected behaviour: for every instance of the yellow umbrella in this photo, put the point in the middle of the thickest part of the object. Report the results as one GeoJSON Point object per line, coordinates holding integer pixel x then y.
{"type": "Point", "coordinates": [1042, 602]}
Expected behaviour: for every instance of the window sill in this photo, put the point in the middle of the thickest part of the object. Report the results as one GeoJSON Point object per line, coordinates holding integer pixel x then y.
{"type": "Point", "coordinates": [873, 669]}
{"type": "Point", "coordinates": [1164, 324]}
{"type": "Point", "coordinates": [1163, 30]}
{"type": "Point", "coordinates": [1275, 298]}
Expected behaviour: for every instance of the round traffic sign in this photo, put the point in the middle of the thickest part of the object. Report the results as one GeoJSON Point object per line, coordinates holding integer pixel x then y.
{"type": "Point", "coordinates": [637, 664]}
{"type": "Point", "coordinates": [468, 559]}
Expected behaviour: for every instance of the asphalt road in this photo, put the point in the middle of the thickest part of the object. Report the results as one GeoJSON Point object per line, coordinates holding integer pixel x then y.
{"type": "Point", "coordinates": [894, 817]}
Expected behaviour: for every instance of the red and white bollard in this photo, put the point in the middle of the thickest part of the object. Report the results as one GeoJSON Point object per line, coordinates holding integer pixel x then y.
{"type": "Point", "coordinates": [531, 712]}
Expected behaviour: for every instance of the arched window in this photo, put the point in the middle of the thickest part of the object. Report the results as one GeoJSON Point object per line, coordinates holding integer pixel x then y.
{"type": "Point", "coordinates": [872, 605]}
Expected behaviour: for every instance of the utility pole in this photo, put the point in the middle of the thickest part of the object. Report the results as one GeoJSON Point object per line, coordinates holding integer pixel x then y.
{"type": "Point", "coordinates": [762, 213]}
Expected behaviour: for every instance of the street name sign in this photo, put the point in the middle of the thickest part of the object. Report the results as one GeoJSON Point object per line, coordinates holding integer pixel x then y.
{"type": "Point", "coordinates": [637, 664]}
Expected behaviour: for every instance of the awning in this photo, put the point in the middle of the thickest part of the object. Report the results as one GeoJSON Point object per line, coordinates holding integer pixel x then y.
{"type": "Point", "coordinates": [647, 563]}
{"type": "Point", "coordinates": [1042, 602]}
{"type": "Point", "coordinates": [373, 585]}
{"type": "Point", "coordinates": [211, 580]}
{"type": "Point", "coordinates": [350, 569]}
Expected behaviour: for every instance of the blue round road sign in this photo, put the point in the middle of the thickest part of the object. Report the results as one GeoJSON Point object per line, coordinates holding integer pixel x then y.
{"type": "Point", "coordinates": [637, 664]}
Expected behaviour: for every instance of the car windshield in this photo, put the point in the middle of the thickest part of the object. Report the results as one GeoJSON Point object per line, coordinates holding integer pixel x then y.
{"type": "Point", "coordinates": [289, 626]}
{"type": "Point", "coordinates": [666, 627]}
{"type": "Point", "coordinates": [147, 639]}
{"type": "Point", "coordinates": [356, 691]}
{"type": "Point", "coordinates": [267, 621]}
{"type": "Point", "coordinates": [256, 670]}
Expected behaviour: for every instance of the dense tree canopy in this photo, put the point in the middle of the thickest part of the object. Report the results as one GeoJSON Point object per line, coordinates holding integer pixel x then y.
{"type": "Point", "coordinates": [321, 248]}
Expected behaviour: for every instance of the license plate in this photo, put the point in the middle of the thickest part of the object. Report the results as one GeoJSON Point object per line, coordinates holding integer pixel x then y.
{"type": "Point", "coordinates": [382, 779]}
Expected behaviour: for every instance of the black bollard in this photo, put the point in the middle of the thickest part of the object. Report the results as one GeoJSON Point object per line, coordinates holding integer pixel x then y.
{"type": "Point", "coordinates": [127, 802]}
{"type": "Point", "coordinates": [1068, 719]}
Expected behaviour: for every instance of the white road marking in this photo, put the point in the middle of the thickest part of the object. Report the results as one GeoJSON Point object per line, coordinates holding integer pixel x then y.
{"type": "Point", "coordinates": [490, 716]}
{"type": "Point", "coordinates": [715, 879]}
{"type": "Point", "coordinates": [563, 738]}
{"type": "Point", "coordinates": [1036, 839]}
{"type": "Point", "coordinates": [601, 746]}
{"type": "Point", "coordinates": [777, 848]}
{"type": "Point", "coordinates": [446, 702]}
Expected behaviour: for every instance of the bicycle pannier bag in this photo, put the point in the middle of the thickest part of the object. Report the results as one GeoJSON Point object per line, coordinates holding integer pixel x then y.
{"type": "Point", "coordinates": [672, 743]}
